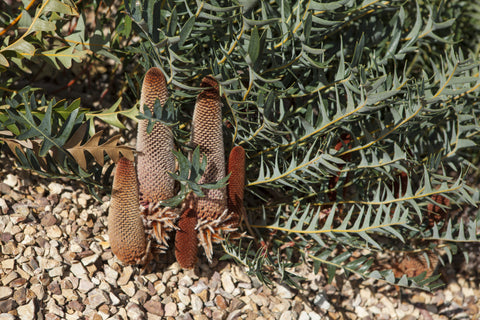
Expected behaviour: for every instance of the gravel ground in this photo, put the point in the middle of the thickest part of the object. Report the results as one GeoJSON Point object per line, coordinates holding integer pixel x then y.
{"type": "Point", "coordinates": [55, 263]}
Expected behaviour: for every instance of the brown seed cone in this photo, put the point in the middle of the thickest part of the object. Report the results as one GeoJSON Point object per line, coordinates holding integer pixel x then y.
{"type": "Point", "coordinates": [186, 241]}
{"type": "Point", "coordinates": [155, 158]}
{"type": "Point", "coordinates": [207, 133]}
{"type": "Point", "coordinates": [125, 226]}
{"type": "Point", "coordinates": [236, 184]}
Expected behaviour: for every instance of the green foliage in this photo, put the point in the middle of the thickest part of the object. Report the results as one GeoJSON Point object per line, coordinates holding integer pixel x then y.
{"type": "Point", "coordinates": [357, 117]}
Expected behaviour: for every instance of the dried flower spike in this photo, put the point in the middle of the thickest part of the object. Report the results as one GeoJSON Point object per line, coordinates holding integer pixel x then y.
{"type": "Point", "coordinates": [236, 184]}
{"type": "Point", "coordinates": [207, 133]}
{"type": "Point", "coordinates": [186, 241]}
{"type": "Point", "coordinates": [155, 159]}
{"type": "Point", "coordinates": [125, 227]}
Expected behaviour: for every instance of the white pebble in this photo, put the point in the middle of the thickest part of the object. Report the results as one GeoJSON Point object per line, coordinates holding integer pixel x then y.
{"type": "Point", "coordinates": [55, 188]}
{"type": "Point", "coordinates": [27, 311]}
{"type": "Point", "coordinates": [170, 309]}
{"type": "Point", "coordinates": [321, 301]}
{"type": "Point", "coordinates": [5, 292]}
{"type": "Point", "coordinates": [197, 304]}
{"type": "Point", "coordinates": [284, 292]}
{"type": "Point", "coordinates": [227, 282]}
{"type": "Point", "coordinates": [78, 270]}
{"type": "Point", "coordinates": [314, 315]}
{"type": "Point", "coordinates": [11, 180]}
{"type": "Point", "coordinates": [129, 289]}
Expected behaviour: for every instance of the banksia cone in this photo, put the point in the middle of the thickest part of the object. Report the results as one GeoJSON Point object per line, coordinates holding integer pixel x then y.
{"type": "Point", "coordinates": [155, 158]}
{"type": "Point", "coordinates": [236, 184]}
{"type": "Point", "coordinates": [125, 227]}
{"type": "Point", "coordinates": [207, 133]}
{"type": "Point", "coordinates": [186, 241]}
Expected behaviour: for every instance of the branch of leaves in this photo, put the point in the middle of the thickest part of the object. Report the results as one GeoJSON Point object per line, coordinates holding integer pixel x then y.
{"type": "Point", "coordinates": [189, 174]}
{"type": "Point", "coordinates": [166, 115]}
{"type": "Point", "coordinates": [46, 137]}
{"type": "Point", "coordinates": [260, 262]}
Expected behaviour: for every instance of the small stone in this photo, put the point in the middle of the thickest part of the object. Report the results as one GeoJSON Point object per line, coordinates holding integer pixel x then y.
{"type": "Point", "coordinates": [38, 290]}
{"type": "Point", "coordinates": [219, 315]}
{"type": "Point", "coordinates": [55, 188]}
{"type": "Point", "coordinates": [140, 297]}
{"type": "Point", "coordinates": [20, 295]}
{"type": "Point", "coordinates": [360, 311]}
{"type": "Point", "coordinates": [152, 277]}
{"type": "Point", "coordinates": [9, 278]}
{"type": "Point", "coordinates": [220, 302]}
{"type": "Point", "coordinates": [7, 305]}
{"type": "Point", "coordinates": [54, 232]}
{"type": "Point", "coordinates": [239, 275]}
{"type": "Point", "coordinates": [104, 309]}
{"type": "Point", "coordinates": [287, 315]}
{"type": "Point", "coordinates": [85, 285]}
{"type": "Point", "coordinates": [111, 275]}
{"type": "Point", "coordinates": [97, 297]}
{"type": "Point", "coordinates": [227, 282]}
{"type": "Point", "coordinates": [321, 301]}
{"type": "Point", "coordinates": [48, 263]}
{"type": "Point", "coordinates": [198, 287]}
{"type": "Point", "coordinates": [129, 289]}
{"type": "Point", "coordinates": [167, 275]}
{"type": "Point", "coordinates": [175, 268]}
{"type": "Point", "coordinates": [8, 264]}
{"type": "Point", "coordinates": [7, 316]}
{"type": "Point", "coordinates": [234, 315]}
{"type": "Point", "coordinates": [284, 292]}
{"type": "Point", "coordinates": [48, 220]}
{"type": "Point", "coordinates": [54, 287]}
{"type": "Point", "coordinates": [27, 312]}
{"type": "Point", "coordinates": [185, 299]}
{"type": "Point", "coordinates": [69, 294]}
{"type": "Point", "coordinates": [160, 287]}
{"type": "Point", "coordinates": [154, 307]}
{"type": "Point", "coordinates": [260, 300]}
{"type": "Point", "coordinates": [125, 276]}
{"type": "Point", "coordinates": [185, 281]}
{"type": "Point", "coordinates": [170, 309]}
{"type": "Point", "coordinates": [51, 316]}
{"type": "Point", "coordinates": [75, 247]}
{"type": "Point", "coordinates": [197, 304]}
{"type": "Point", "coordinates": [11, 180]}
{"type": "Point", "coordinates": [90, 259]}
{"type": "Point", "coordinates": [76, 305]}
{"type": "Point", "coordinates": [54, 308]}
{"type": "Point", "coordinates": [113, 298]}
{"type": "Point", "coordinates": [278, 305]}
{"type": "Point", "coordinates": [78, 270]}
{"type": "Point", "coordinates": [304, 316]}
{"type": "Point", "coordinates": [134, 311]}
{"type": "Point", "coordinates": [3, 206]}
{"type": "Point", "coordinates": [56, 272]}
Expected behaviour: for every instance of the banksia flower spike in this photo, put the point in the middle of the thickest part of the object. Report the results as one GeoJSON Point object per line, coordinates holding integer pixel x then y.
{"type": "Point", "coordinates": [125, 226]}
{"type": "Point", "coordinates": [155, 160]}
{"type": "Point", "coordinates": [207, 133]}
{"type": "Point", "coordinates": [236, 185]}
{"type": "Point", "coordinates": [186, 241]}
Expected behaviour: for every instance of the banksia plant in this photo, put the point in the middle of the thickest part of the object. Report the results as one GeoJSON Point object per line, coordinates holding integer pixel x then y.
{"type": "Point", "coordinates": [125, 226]}
{"type": "Point", "coordinates": [348, 135]}
{"type": "Point", "coordinates": [207, 133]}
{"type": "Point", "coordinates": [359, 120]}
{"type": "Point", "coordinates": [155, 160]}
